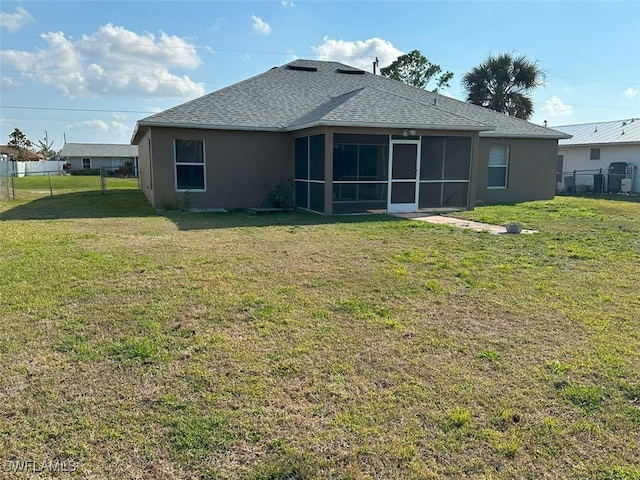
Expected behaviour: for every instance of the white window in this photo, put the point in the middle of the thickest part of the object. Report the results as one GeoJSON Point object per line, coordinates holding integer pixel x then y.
{"type": "Point", "coordinates": [86, 163]}
{"type": "Point", "coordinates": [498, 166]}
{"type": "Point", "coordinates": [189, 165]}
{"type": "Point", "coordinates": [594, 154]}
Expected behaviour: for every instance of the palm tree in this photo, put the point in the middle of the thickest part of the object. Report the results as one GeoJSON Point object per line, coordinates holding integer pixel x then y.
{"type": "Point", "coordinates": [46, 149]}
{"type": "Point", "coordinates": [502, 83]}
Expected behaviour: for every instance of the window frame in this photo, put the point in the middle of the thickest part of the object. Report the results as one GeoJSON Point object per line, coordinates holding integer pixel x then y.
{"type": "Point", "coordinates": [202, 164]}
{"type": "Point", "coordinates": [505, 166]}
{"type": "Point", "coordinates": [594, 150]}
{"type": "Point", "coordinates": [85, 167]}
{"type": "Point", "coordinates": [310, 156]}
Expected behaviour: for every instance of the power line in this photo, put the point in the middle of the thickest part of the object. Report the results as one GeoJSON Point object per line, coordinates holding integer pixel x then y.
{"type": "Point", "coordinates": [170, 47]}
{"type": "Point", "coordinates": [258, 52]}
{"type": "Point", "coordinates": [207, 82]}
{"type": "Point", "coordinates": [99, 110]}
{"type": "Point", "coordinates": [93, 110]}
{"type": "Point", "coordinates": [34, 72]}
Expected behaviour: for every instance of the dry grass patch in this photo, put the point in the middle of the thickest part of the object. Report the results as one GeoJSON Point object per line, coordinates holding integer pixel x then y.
{"type": "Point", "coordinates": [295, 346]}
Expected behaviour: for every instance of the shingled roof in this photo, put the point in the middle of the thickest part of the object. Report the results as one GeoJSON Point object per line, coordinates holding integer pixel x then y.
{"type": "Point", "coordinates": [306, 93]}
{"type": "Point", "coordinates": [117, 150]}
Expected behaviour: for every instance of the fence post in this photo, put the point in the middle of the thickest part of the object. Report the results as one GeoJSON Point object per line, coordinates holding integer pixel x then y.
{"type": "Point", "coordinates": [50, 189]}
{"type": "Point", "coordinates": [103, 180]}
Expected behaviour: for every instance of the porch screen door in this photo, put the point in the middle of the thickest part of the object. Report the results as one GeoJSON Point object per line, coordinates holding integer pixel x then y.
{"type": "Point", "coordinates": [403, 176]}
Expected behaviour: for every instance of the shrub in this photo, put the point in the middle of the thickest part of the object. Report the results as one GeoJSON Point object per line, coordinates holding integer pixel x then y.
{"type": "Point", "coordinates": [281, 195]}
{"type": "Point", "coordinates": [85, 171]}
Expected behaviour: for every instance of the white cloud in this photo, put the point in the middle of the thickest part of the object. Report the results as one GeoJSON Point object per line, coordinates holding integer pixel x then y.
{"type": "Point", "coordinates": [113, 61]}
{"type": "Point", "coordinates": [291, 55]}
{"type": "Point", "coordinates": [13, 22]}
{"type": "Point", "coordinates": [287, 4]}
{"type": "Point", "coordinates": [361, 53]}
{"type": "Point", "coordinates": [217, 24]}
{"type": "Point", "coordinates": [95, 123]}
{"type": "Point", "coordinates": [631, 92]}
{"type": "Point", "coordinates": [8, 83]}
{"type": "Point", "coordinates": [260, 25]}
{"type": "Point", "coordinates": [116, 126]}
{"type": "Point", "coordinates": [557, 108]}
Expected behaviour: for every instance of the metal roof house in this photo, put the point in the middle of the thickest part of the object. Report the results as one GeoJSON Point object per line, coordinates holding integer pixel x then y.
{"type": "Point", "coordinates": [346, 140]}
{"type": "Point", "coordinates": [596, 151]}
{"type": "Point", "coordinates": [99, 155]}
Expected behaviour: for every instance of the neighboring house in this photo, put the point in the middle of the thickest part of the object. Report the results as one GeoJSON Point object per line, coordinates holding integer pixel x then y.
{"type": "Point", "coordinates": [10, 153]}
{"type": "Point", "coordinates": [599, 156]}
{"type": "Point", "coordinates": [348, 141]}
{"type": "Point", "coordinates": [100, 155]}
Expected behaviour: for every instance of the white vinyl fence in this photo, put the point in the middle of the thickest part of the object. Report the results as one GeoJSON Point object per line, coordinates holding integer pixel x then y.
{"type": "Point", "coordinates": [49, 167]}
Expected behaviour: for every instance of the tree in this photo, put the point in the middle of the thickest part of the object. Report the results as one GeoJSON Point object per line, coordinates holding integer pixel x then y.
{"type": "Point", "coordinates": [21, 144]}
{"type": "Point", "coordinates": [414, 69]}
{"type": "Point", "coordinates": [46, 148]}
{"type": "Point", "coordinates": [503, 83]}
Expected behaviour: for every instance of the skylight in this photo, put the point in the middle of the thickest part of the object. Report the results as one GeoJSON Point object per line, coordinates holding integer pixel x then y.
{"type": "Point", "coordinates": [301, 68]}
{"type": "Point", "coordinates": [350, 71]}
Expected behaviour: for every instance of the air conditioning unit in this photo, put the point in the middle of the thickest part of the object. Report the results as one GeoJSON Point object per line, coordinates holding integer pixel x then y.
{"type": "Point", "coordinates": [625, 185]}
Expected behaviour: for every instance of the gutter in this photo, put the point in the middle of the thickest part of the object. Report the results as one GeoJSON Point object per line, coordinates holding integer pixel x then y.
{"type": "Point", "coordinates": [139, 126]}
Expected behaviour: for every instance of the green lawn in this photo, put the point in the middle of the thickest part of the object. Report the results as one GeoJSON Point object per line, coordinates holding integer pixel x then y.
{"type": "Point", "coordinates": [31, 187]}
{"type": "Point", "coordinates": [238, 346]}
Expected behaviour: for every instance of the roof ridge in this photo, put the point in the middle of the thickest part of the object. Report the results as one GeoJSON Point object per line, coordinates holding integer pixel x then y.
{"type": "Point", "coordinates": [435, 106]}
{"type": "Point", "coordinates": [276, 98]}
{"type": "Point", "coordinates": [467, 104]}
{"type": "Point", "coordinates": [338, 100]}
{"type": "Point", "coordinates": [214, 92]}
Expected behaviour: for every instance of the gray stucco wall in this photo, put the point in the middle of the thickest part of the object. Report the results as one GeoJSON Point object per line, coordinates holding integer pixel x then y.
{"type": "Point", "coordinates": [240, 169]}
{"type": "Point", "coordinates": [145, 167]}
{"type": "Point", "coordinates": [531, 173]}
{"type": "Point", "coordinates": [242, 166]}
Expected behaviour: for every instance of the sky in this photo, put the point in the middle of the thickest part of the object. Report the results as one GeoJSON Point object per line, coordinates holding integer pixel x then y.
{"type": "Point", "coordinates": [86, 71]}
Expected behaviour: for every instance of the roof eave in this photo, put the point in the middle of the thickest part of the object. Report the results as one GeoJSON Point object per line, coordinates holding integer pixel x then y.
{"type": "Point", "coordinates": [597, 144]}
{"type": "Point", "coordinates": [522, 135]}
{"type": "Point", "coordinates": [202, 126]}
{"type": "Point", "coordinates": [413, 126]}
{"type": "Point", "coordinates": [134, 134]}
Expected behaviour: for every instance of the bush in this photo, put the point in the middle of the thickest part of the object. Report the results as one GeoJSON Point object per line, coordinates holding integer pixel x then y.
{"type": "Point", "coordinates": [124, 171]}
{"type": "Point", "coordinates": [86, 171]}
{"type": "Point", "coordinates": [281, 195]}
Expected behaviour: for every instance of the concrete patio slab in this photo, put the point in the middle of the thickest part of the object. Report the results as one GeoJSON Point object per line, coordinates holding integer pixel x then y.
{"type": "Point", "coordinates": [457, 222]}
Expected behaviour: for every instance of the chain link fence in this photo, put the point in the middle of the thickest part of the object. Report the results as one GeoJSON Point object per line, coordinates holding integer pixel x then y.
{"type": "Point", "coordinates": [25, 185]}
{"type": "Point", "coordinates": [594, 182]}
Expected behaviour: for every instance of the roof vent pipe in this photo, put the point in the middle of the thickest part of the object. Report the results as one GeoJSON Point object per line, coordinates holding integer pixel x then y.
{"type": "Point", "coordinates": [434, 101]}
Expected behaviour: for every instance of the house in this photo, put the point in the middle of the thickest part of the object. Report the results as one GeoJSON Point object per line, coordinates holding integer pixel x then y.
{"type": "Point", "coordinates": [100, 155]}
{"type": "Point", "coordinates": [348, 141]}
{"type": "Point", "coordinates": [10, 153]}
{"type": "Point", "coordinates": [599, 156]}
